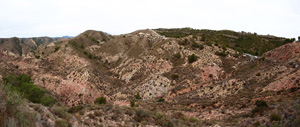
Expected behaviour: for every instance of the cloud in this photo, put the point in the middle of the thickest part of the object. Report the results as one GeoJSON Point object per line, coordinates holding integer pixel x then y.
{"type": "Point", "coordinates": [71, 17]}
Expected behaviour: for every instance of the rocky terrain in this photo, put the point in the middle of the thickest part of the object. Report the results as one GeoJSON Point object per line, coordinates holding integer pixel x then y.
{"type": "Point", "coordinates": [162, 77]}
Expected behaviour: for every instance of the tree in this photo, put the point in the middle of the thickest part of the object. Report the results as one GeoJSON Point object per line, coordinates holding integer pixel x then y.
{"type": "Point", "coordinates": [299, 38]}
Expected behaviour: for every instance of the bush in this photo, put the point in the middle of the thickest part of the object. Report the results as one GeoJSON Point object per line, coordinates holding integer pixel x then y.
{"type": "Point", "coordinates": [137, 96]}
{"type": "Point", "coordinates": [194, 120]}
{"type": "Point", "coordinates": [258, 74]}
{"type": "Point", "coordinates": [165, 122]}
{"type": "Point", "coordinates": [60, 112]}
{"type": "Point", "coordinates": [275, 117]}
{"type": "Point", "coordinates": [62, 123]}
{"type": "Point", "coordinates": [141, 114]}
{"type": "Point", "coordinates": [221, 53]}
{"type": "Point", "coordinates": [174, 76]}
{"type": "Point", "coordinates": [161, 100]}
{"type": "Point", "coordinates": [192, 58]}
{"type": "Point", "coordinates": [90, 56]}
{"type": "Point", "coordinates": [75, 109]}
{"type": "Point", "coordinates": [132, 103]}
{"type": "Point", "coordinates": [208, 43]}
{"type": "Point", "coordinates": [177, 55]}
{"type": "Point", "coordinates": [30, 91]}
{"type": "Point", "coordinates": [56, 48]}
{"type": "Point", "coordinates": [196, 45]}
{"type": "Point", "coordinates": [47, 101]}
{"type": "Point", "coordinates": [261, 103]}
{"type": "Point", "coordinates": [100, 100]}
{"type": "Point", "coordinates": [159, 115]}
{"type": "Point", "coordinates": [37, 56]}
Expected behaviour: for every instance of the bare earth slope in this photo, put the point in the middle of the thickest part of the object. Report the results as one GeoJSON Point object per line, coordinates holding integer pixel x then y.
{"type": "Point", "coordinates": [219, 86]}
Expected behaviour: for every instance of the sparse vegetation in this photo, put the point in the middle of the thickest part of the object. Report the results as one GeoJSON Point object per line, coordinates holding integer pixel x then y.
{"type": "Point", "coordinates": [37, 56]}
{"type": "Point", "coordinates": [275, 117]}
{"type": "Point", "coordinates": [30, 91]}
{"type": "Point", "coordinates": [141, 114]}
{"type": "Point", "coordinates": [60, 112]}
{"type": "Point", "coordinates": [132, 103]}
{"type": "Point", "coordinates": [237, 41]}
{"type": "Point", "coordinates": [196, 45]}
{"type": "Point", "coordinates": [261, 105]}
{"type": "Point", "coordinates": [161, 100]}
{"type": "Point", "coordinates": [100, 100]}
{"type": "Point", "coordinates": [174, 76]}
{"type": "Point", "coordinates": [221, 53]}
{"type": "Point", "coordinates": [62, 123]}
{"type": "Point", "coordinates": [75, 109]}
{"type": "Point", "coordinates": [192, 58]}
{"type": "Point", "coordinates": [56, 48]}
{"type": "Point", "coordinates": [177, 55]}
{"type": "Point", "coordinates": [137, 96]}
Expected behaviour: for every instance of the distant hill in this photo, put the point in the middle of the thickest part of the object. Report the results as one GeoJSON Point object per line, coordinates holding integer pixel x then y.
{"type": "Point", "coordinates": [64, 37]}
{"type": "Point", "coordinates": [20, 46]}
{"type": "Point", "coordinates": [240, 41]}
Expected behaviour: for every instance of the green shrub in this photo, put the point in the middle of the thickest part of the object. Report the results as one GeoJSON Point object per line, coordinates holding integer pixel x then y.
{"type": "Point", "coordinates": [165, 122]}
{"type": "Point", "coordinates": [261, 103]}
{"type": "Point", "coordinates": [75, 109]}
{"type": "Point", "coordinates": [47, 101]}
{"type": "Point", "coordinates": [84, 52]}
{"type": "Point", "coordinates": [221, 53]}
{"type": "Point", "coordinates": [196, 45]}
{"type": "Point", "coordinates": [174, 76]}
{"type": "Point", "coordinates": [192, 58]}
{"type": "Point", "coordinates": [100, 100]}
{"type": "Point", "coordinates": [159, 115]}
{"type": "Point", "coordinates": [37, 56]}
{"type": "Point", "coordinates": [258, 74]}
{"type": "Point", "coordinates": [56, 48]}
{"type": "Point", "coordinates": [31, 92]}
{"type": "Point", "coordinates": [141, 114]}
{"type": "Point", "coordinates": [208, 43]}
{"type": "Point", "coordinates": [161, 100]}
{"type": "Point", "coordinates": [275, 117]}
{"type": "Point", "coordinates": [60, 112]}
{"type": "Point", "coordinates": [137, 96]}
{"type": "Point", "coordinates": [132, 103]}
{"type": "Point", "coordinates": [194, 120]}
{"type": "Point", "coordinates": [62, 123]}
{"type": "Point", "coordinates": [90, 56]}
{"type": "Point", "coordinates": [177, 55]}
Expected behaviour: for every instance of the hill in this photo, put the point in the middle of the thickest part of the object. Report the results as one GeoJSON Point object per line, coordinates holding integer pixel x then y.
{"type": "Point", "coordinates": [162, 77]}
{"type": "Point", "coordinates": [239, 41]}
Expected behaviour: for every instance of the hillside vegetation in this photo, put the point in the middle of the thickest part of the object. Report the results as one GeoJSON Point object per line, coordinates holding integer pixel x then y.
{"type": "Point", "coordinates": [240, 41]}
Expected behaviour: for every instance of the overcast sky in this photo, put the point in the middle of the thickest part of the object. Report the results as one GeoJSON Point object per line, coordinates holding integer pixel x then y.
{"type": "Point", "coordinates": [28, 18]}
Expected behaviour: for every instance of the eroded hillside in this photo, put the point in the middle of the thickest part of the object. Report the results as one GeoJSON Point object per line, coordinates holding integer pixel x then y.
{"type": "Point", "coordinates": [200, 74]}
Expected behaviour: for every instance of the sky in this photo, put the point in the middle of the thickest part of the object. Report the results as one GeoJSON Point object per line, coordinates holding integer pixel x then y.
{"type": "Point", "coordinates": [55, 18]}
